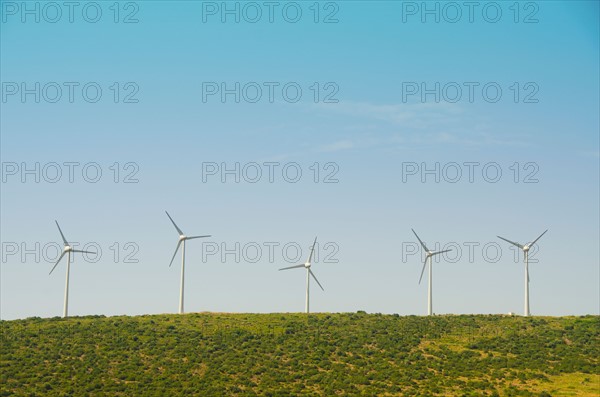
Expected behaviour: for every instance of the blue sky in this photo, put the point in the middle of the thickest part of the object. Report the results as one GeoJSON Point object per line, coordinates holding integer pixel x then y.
{"type": "Point", "coordinates": [369, 129]}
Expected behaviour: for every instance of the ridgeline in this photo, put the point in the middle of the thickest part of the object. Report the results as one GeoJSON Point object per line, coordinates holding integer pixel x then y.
{"type": "Point", "coordinates": [350, 354]}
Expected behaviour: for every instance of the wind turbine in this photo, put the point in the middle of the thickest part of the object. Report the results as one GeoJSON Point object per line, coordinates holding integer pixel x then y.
{"type": "Point", "coordinates": [428, 255]}
{"type": "Point", "coordinates": [525, 248]}
{"type": "Point", "coordinates": [182, 239]}
{"type": "Point", "coordinates": [309, 273]}
{"type": "Point", "coordinates": [66, 250]}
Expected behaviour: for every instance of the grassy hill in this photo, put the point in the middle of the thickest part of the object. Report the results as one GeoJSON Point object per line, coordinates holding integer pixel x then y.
{"type": "Point", "coordinates": [210, 354]}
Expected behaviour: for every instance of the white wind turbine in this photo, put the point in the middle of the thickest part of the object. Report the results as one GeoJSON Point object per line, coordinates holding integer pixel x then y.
{"type": "Point", "coordinates": [428, 255]}
{"type": "Point", "coordinates": [525, 248]}
{"type": "Point", "coordinates": [182, 239]}
{"type": "Point", "coordinates": [66, 250]}
{"type": "Point", "coordinates": [308, 274]}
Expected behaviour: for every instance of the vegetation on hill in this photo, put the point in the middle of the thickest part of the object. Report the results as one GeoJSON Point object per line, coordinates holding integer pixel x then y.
{"type": "Point", "coordinates": [352, 354]}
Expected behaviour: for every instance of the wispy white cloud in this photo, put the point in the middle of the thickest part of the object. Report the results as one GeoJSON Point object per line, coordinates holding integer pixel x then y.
{"type": "Point", "coordinates": [338, 146]}
{"type": "Point", "coordinates": [419, 115]}
{"type": "Point", "coordinates": [591, 153]}
{"type": "Point", "coordinates": [375, 126]}
{"type": "Point", "coordinates": [414, 124]}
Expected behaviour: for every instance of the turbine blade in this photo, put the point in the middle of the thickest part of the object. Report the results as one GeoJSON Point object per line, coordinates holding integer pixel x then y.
{"type": "Point", "coordinates": [84, 252]}
{"type": "Point", "coordinates": [291, 267]}
{"type": "Point", "coordinates": [423, 270]}
{"type": "Point", "coordinates": [311, 251]}
{"type": "Point", "coordinates": [512, 242]}
{"type": "Point", "coordinates": [176, 249]}
{"type": "Point", "coordinates": [422, 243]}
{"type": "Point", "coordinates": [312, 274]}
{"type": "Point", "coordinates": [440, 252]}
{"type": "Point", "coordinates": [56, 264]}
{"type": "Point", "coordinates": [174, 224]}
{"type": "Point", "coordinates": [193, 237]}
{"type": "Point", "coordinates": [61, 234]}
{"type": "Point", "coordinates": [535, 241]}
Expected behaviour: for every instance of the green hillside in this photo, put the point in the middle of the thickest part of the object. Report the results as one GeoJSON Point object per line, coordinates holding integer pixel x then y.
{"type": "Point", "coordinates": [210, 354]}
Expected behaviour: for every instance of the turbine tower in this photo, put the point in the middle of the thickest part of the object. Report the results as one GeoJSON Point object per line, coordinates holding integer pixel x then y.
{"type": "Point", "coordinates": [525, 248]}
{"type": "Point", "coordinates": [181, 242]}
{"type": "Point", "coordinates": [66, 250]}
{"type": "Point", "coordinates": [428, 255]}
{"type": "Point", "coordinates": [309, 273]}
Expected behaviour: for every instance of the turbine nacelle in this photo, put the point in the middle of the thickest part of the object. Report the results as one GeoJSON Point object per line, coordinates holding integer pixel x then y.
{"type": "Point", "coordinates": [181, 238]}
{"type": "Point", "coordinates": [307, 265]}
{"type": "Point", "coordinates": [525, 248]}
{"type": "Point", "coordinates": [432, 253]}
